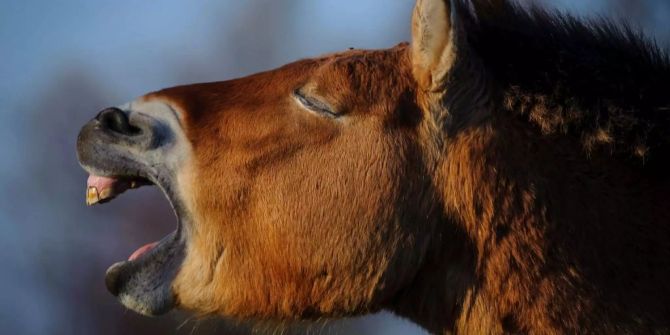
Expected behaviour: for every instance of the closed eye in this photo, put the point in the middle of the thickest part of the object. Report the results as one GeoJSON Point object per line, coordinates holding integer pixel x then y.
{"type": "Point", "coordinates": [314, 105]}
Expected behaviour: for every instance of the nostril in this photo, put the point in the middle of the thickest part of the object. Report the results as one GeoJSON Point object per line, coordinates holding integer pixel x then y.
{"type": "Point", "coordinates": [116, 120]}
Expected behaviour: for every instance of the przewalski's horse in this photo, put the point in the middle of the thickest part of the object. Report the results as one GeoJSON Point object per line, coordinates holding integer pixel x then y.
{"type": "Point", "coordinates": [506, 172]}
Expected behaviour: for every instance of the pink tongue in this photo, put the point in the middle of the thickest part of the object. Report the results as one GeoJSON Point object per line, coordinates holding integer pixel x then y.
{"type": "Point", "coordinates": [141, 251]}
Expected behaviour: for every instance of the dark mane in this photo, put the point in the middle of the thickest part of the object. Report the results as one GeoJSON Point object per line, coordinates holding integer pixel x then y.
{"type": "Point", "coordinates": [599, 80]}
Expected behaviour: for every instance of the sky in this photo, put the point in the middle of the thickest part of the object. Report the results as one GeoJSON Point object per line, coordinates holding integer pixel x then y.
{"type": "Point", "coordinates": [62, 61]}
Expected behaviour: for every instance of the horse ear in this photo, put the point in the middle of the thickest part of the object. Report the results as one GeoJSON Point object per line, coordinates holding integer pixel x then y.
{"type": "Point", "coordinates": [434, 42]}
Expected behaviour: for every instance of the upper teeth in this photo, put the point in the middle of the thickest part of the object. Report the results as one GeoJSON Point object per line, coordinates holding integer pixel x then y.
{"type": "Point", "coordinates": [92, 196]}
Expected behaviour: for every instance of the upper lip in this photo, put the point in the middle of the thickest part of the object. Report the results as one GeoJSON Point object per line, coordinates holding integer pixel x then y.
{"type": "Point", "coordinates": [95, 194]}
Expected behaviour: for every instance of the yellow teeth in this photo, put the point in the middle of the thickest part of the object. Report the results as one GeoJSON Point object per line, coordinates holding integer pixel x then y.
{"type": "Point", "coordinates": [93, 196]}
{"type": "Point", "coordinates": [106, 193]}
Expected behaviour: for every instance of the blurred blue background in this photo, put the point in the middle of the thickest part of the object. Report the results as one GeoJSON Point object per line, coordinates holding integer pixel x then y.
{"type": "Point", "coordinates": [62, 61]}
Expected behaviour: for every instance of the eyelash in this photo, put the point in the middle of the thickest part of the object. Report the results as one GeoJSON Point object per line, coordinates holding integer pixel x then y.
{"type": "Point", "coordinates": [314, 105]}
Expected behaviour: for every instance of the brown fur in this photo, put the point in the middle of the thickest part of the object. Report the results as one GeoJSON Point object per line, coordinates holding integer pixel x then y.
{"type": "Point", "coordinates": [463, 209]}
{"type": "Point", "coordinates": [256, 153]}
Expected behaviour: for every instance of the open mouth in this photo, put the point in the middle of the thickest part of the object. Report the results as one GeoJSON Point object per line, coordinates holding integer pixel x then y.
{"type": "Point", "coordinates": [143, 281]}
{"type": "Point", "coordinates": [100, 190]}
{"type": "Point", "coordinates": [121, 155]}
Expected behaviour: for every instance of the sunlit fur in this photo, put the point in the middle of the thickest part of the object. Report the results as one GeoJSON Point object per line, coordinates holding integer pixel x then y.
{"type": "Point", "coordinates": [298, 215]}
{"type": "Point", "coordinates": [490, 204]}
